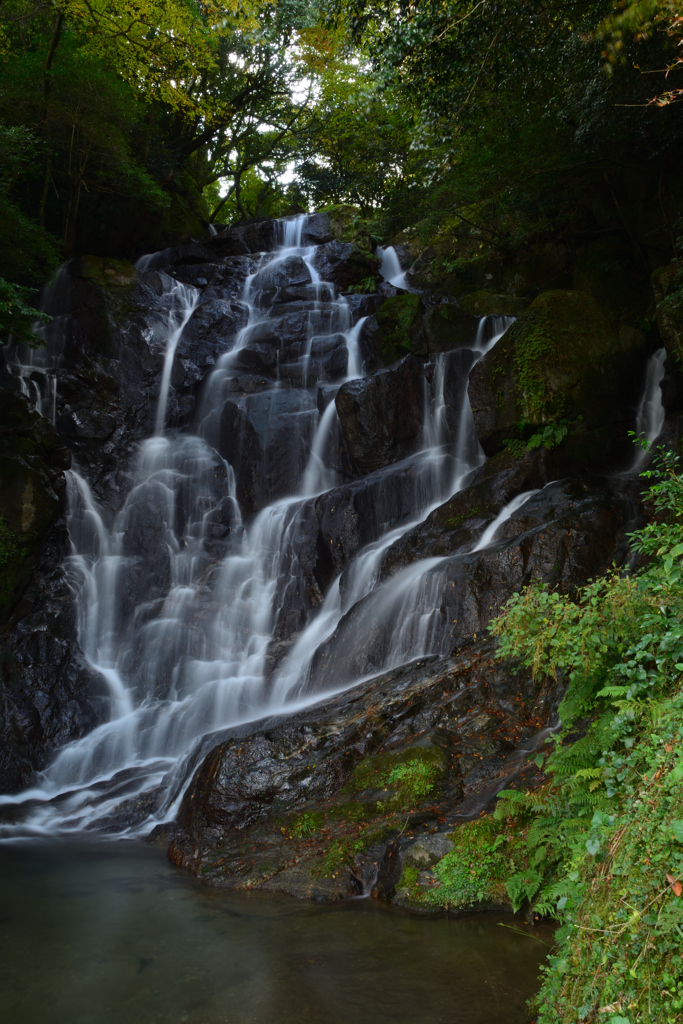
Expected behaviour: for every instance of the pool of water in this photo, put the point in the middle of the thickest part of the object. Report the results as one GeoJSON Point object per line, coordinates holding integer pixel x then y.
{"type": "Point", "coordinates": [113, 934]}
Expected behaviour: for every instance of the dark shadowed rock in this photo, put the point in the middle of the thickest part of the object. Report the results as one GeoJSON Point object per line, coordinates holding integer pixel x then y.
{"type": "Point", "coordinates": [381, 416]}
{"type": "Point", "coordinates": [210, 331]}
{"type": "Point", "coordinates": [266, 437]}
{"type": "Point", "coordinates": [560, 359]}
{"type": "Point", "coordinates": [345, 264]}
{"type": "Point", "coordinates": [48, 695]}
{"type": "Point", "coordinates": [32, 486]}
{"type": "Point", "coordinates": [447, 326]}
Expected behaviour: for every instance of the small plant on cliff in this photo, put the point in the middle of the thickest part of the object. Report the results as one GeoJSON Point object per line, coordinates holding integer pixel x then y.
{"type": "Point", "coordinates": [412, 774]}
{"type": "Point", "coordinates": [307, 824]}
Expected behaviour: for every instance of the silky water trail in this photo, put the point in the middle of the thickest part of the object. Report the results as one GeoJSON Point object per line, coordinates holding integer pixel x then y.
{"type": "Point", "coordinates": [181, 672]}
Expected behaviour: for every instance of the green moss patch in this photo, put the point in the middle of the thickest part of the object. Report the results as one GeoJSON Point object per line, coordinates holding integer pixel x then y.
{"type": "Point", "coordinates": [398, 319]}
{"type": "Point", "coordinates": [407, 777]}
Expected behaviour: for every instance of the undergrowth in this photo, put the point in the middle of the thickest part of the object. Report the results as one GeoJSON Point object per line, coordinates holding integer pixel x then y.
{"type": "Point", "coordinates": [599, 847]}
{"type": "Point", "coordinates": [604, 838]}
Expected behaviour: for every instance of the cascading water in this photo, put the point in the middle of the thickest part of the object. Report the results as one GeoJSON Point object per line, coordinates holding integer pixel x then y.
{"type": "Point", "coordinates": [181, 625]}
{"type": "Point", "coordinates": [650, 415]}
{"type": "Point", "coordinates": [390, 267]}
{"type": "Point", "coordinates": [35, 366]}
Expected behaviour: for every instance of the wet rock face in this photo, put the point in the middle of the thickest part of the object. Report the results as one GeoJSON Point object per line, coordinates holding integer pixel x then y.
{"type": "Point", "coordinates": [561, 359]}
{"type": "Point", "coordinates": [309, 805]}
{"type": "Point", "coordinates": [109, 375]}
{"type": "Point", "coordinates": [48, 695]}
{"type": "Point", "coordinates": [345, 264]}
{"type": "Point", "coordinates": [32, 486]}
{"type": "Point", "coordinates": [561, 537]}
{"type": "Point", "coordinates": [266, 438]}
{"type": "Point", "coordinates": [210, 331]}
{"type": "Point", "coordinates": [381, 416]}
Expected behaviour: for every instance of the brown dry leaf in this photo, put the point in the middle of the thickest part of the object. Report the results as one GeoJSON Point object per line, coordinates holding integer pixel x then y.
{"type": "Point", "coordinates": [676, 886]}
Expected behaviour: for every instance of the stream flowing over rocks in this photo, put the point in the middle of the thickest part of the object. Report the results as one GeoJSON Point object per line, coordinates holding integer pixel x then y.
{"type": "Point", "coordinates": [259, 563]}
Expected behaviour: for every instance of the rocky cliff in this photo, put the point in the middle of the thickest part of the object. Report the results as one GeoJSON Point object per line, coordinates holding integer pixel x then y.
{"type": "Point", "coordinates": [297, 497]}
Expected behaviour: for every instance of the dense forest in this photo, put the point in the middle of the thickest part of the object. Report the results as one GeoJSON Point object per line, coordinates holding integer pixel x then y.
{"type": "Point", "coordinates": [516, 154]}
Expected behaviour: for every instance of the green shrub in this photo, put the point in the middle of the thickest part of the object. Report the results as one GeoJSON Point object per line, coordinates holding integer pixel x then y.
{"type": "Point", "coordinates": [604, 838]}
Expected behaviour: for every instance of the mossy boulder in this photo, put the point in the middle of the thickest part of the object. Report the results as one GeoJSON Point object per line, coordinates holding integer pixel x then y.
{"type": "Point", "coordinates": [32, 485]}
{"type": "Point", "coordinates": [486, 303]}
{"type": "Point", "coordinates": [400, 328]}
{"type": "Point", "coordinates": [106, 273]}
{"type": "Point", "coordinates": [561, 360]}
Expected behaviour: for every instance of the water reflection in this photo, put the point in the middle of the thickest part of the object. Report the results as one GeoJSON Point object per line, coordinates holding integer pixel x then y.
{"type": "Point", "coordinates": [111, 934]}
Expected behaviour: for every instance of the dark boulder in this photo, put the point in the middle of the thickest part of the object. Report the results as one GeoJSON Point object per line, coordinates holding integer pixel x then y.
{"type": "Point", "coordinates": [290, 272]}
{"type": "Point", "coordinates": [562, 536]}
{"type": "Point", "coordinates": [210, 331]}
{"type": "Point", "coordinates": [345, 264]}
{"type": "Point", "coordinates": [447, 326]}
{"type": "Point", "coordinates": [381, 416]}
{"type": "Point", "coordinates": [317, 230]}
{"type": "Point", "coordinates": [301, 805]}
{"type": "Point", "coordinates": [266, 439]}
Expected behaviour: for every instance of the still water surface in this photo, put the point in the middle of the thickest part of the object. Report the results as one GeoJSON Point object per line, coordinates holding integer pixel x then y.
{"type": "Point", "coordinates": [112, 934]}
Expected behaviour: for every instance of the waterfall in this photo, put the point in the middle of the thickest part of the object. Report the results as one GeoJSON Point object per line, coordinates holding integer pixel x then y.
{"type": "Point", "coordinates": [650, 415]}
{"type": "Point", "coordinates": [35, 365]}
{"type": "Point", "coordinates": [183, 598]}
{"type": "Point", "coordinates": [489, 535]}
{"type": "Point", "coordinates": [390, 266]}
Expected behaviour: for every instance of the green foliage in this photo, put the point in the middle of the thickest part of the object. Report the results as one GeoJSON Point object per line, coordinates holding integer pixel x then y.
{"type": "Point", "coordinates": [548, 437]}
{"type": "Point", "coordinates": [307, 824]}
{"type": "Point", "coordinates": [16, 315]}
{"type": "Point", "coordinates": [602, 838]}
{"type": "Point", "coordinates": [396, 319]}
{"type": "Point", "coordinates": [411, 775]}
{"type": "Point", "coordinates": [473, 871]}
{"type": "Point", "coordinates": [10, 547]}
{"type": "Point", "coordinates": [364, 287]}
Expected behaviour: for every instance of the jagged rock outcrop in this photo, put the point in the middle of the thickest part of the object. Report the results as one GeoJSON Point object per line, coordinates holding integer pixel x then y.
{"type": "Point", "coordinates": [381, 416]}
{"type": "Point", "coordinates": [48, 694]}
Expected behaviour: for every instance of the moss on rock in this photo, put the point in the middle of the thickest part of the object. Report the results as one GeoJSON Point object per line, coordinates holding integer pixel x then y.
{"type": "Point", "coordinates": [106, 273]}
{"type": "Point", "coordinates": [561, 360]}
{"type": "Point", "coordinates": [485, 303]}
{"type": "Point", "coordinates": [399, 320]}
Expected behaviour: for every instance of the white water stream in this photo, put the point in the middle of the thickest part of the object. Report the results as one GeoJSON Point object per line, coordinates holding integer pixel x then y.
{"type": "Point", "coordinates": [182, 638]}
